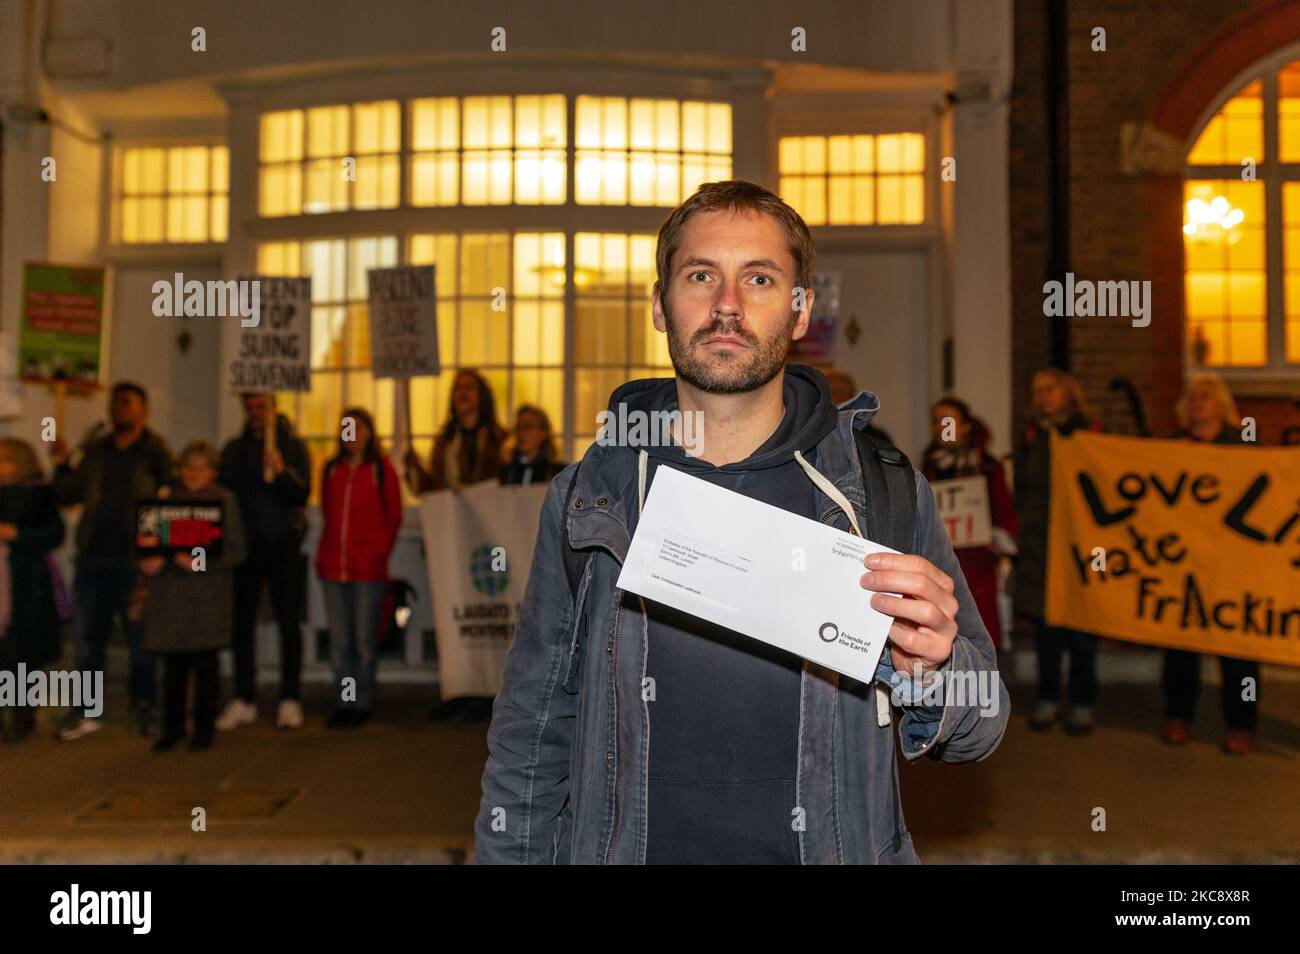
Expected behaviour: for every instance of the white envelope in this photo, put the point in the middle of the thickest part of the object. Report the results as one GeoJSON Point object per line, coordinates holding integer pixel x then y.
{"type": "Point", "coordinates": [759, 570]}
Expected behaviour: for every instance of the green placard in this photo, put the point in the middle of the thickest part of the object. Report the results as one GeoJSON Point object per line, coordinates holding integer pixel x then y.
{"type": "Point", "coordinates": [62, 322]}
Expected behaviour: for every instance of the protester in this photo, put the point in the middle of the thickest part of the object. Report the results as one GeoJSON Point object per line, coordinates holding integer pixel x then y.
{"type": "Point", "coordinates": [1058, 405]}
{"type": "Point", "coordinates": [1208, 413]}
{"type": "Point", "coordinates": [361, 506]}
{"type": "Point", "coordinates": [533, 458]}
{"type": "Point", "coordinates": [629, 732]}
{"type": "Point", "coordinates": [116, 471]}
{"type": "Point", "coordinates": [186, 603]}
{"type": "Point", "coordinates": [966, 454]}
{"type": "Point", "coordinates": [30, 531]}
{"type": "Point", "coordinates": [468, 448]}
{"type": "Point", "coordinates": [467, 451]}
{"type": "Point", "coordinates": [276, 524]}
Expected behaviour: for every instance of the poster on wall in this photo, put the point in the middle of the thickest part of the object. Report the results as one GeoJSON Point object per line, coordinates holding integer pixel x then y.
{"type": "Point", "coordinates": [818, 345]}
{"type": "Point", "coordinates": [272, 350]}
{"type": "Point", "coordinates": [61, 325]}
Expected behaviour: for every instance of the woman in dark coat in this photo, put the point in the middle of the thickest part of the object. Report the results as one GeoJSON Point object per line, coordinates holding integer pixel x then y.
{"type": "Point", "coordinates": [30, 529]}
{"type": "Point", "coordinates": [1058, 405]}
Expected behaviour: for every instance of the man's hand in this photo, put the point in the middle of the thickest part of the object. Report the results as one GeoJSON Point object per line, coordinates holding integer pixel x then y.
{"type": "Point", "coordinates": [925, 615]}
{"type": "Point", "coordinates": [185, 561]}
{"type": "Point", "coordinates": [8, 532]}
{"type": "Point", "coordinates": [152, 566]}
{"type": "Point", "coordinates": [274, 461]}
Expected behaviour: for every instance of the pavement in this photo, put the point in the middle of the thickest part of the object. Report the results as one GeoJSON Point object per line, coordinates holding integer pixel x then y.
{"type": "Point", "coordinates": [405, 790]}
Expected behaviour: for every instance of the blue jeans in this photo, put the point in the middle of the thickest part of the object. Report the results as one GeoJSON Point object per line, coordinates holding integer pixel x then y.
{"type": "Point", "coordinates": [102, 587]}
{"type": "Point", "coordinates": [353, 613]}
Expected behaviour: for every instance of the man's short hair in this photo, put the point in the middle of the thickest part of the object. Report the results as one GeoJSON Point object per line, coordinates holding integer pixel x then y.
{"type": "Point", "coordinates": [131, 386]}
{"type": "Point", "coordinates": [245, 395]}
{"type": "Point", "coordinates": [737, 195]}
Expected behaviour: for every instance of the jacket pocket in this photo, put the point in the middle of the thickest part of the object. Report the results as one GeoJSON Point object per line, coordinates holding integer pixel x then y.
{"type": "Point", "coordinates": [573, 670]}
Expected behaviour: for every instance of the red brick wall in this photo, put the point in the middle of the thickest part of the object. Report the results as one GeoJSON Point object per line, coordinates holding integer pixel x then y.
{"type": "Point", "coordinates": [1164, 63]}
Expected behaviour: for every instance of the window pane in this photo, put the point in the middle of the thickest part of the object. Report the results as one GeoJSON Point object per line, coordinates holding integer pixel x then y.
{"type": "Point", "coordinates": [1225, 294]}
{"type": "Point", "coordinates": [1234, 132]}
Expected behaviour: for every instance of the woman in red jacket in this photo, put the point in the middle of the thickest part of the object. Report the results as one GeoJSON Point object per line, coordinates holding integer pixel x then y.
{"type": "Point", "coordinates": [361, 503]}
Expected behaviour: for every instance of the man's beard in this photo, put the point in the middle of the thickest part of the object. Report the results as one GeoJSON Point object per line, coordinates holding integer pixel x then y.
{"type": "Point", "coordinates": [728, 372]}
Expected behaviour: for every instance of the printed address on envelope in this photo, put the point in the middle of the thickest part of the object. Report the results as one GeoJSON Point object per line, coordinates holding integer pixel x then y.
{"type": "Point", "coordinates": [757, 569]}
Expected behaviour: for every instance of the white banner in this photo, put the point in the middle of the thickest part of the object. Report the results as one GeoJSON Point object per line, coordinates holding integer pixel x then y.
{"type": "Point", "coordinates": [403, 322]}
{"type": "Point", "coordinates": [272, 352]}
{"type": "Point", "coordinates": [478, 548]}
{"type": "Point", "coordinates": [963, 505]}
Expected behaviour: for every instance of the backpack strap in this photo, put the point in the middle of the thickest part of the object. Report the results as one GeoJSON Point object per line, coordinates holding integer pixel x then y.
{"type": "Point", "coordinates": [574, 560]}
{"type": "Point", "coordinates": [890, 485]}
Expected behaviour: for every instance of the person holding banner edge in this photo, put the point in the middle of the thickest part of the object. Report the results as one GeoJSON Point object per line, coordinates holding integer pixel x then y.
{"type": "Point", "coordinates": [467, 451]}
{"type": "Point", "coordinates": [1208, 413]}
{"type": "Point", "coordinates": [272, 484]}
{"type": "Point", "coordinates": [1058, 404]}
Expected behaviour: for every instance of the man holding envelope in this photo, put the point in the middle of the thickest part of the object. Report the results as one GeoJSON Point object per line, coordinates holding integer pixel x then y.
{"type": "Point", "coordinates": [713, 647]}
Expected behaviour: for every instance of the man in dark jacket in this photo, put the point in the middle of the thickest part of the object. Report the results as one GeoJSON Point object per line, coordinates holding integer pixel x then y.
{"type": "Point", "coordinates": [275, 523]}
{"type": "Point", "coordinates": [628, 732]}
{"type": "Point", "coordinates": [116, 471]}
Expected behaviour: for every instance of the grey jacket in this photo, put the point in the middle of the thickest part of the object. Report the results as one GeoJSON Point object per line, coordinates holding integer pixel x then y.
{"type": "Point", "coordinates": [568, 745]}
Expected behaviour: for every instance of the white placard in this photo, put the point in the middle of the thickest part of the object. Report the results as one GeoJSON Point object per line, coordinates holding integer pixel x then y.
{"type": "Point", "coordinates": [403, 322]}
{"type": "Point", "coordinates": [963, 505]}
{"type": "Point", "coordinates": [272, 350]}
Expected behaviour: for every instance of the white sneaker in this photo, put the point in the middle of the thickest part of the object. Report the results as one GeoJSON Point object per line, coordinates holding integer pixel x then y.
{"type": "Point", "coordinates": [289, 715]}
{"type": "Point", "coordinates": [236, 713]}
{"type": "Point", "coordinates": [75, 729]}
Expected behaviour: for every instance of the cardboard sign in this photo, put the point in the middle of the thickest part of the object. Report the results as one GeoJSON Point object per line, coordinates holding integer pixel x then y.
{"type": "Point", "coordinates": [403, 322]}
{"type": "Point", "coordinates": [1177, 544]}
{"type": "Point", "coordinates": [272, 352]}
{"type": "Point", "coordinates": [164, 527]}
{"type": "Point", "coordinates": [62, 322]}
{"type": "Point", "coordinates": [963, 505]}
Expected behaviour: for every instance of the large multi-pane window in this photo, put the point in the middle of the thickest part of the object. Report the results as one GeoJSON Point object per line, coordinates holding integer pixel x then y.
{"type": "Point", "coordinates": [855, 179]}
{"type": "Point", "coordinates": [648, 151]}
{"type": "Point", "coordinates": [1241, 199]}
{"type": "Point", "coordinates": [331, 158]}
{"type": "Point", "coordinates": [171, 194]}
{"type": "Point", "coordinates": [505, 303]}
{"type": "Point", "coordinates": [488, 150]}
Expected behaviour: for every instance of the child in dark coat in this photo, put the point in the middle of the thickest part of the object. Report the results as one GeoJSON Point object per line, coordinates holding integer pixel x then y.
{"type": "Point", "coordinates": [186, 604]}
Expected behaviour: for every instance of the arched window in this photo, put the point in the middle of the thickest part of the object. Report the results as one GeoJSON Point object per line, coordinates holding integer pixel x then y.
{"type": "Point", "coordinates": [1241, 227]}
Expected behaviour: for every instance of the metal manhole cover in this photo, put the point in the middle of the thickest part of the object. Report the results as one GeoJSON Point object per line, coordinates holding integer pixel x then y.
{"type": "Point", "coordinates": [145, 806]}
